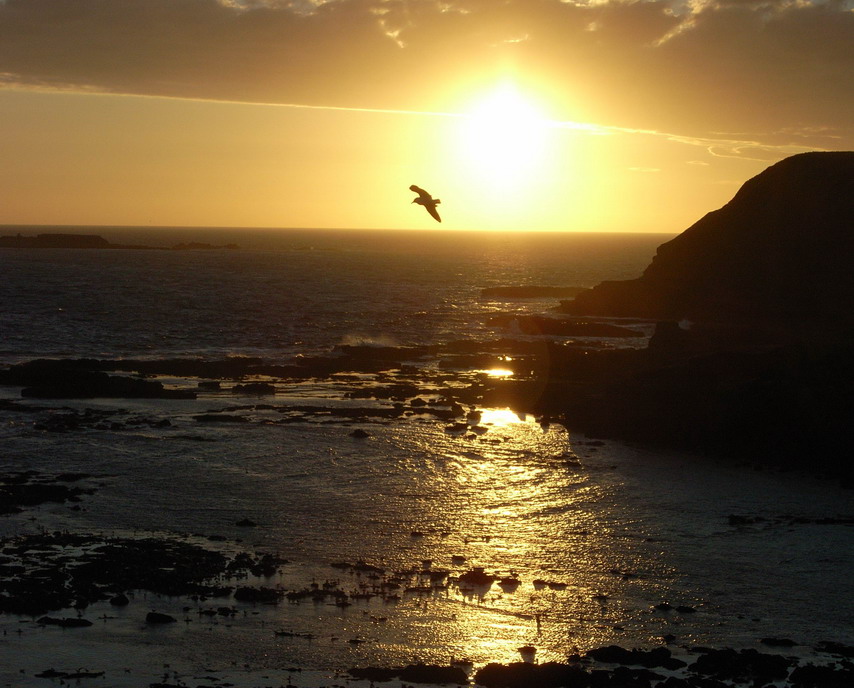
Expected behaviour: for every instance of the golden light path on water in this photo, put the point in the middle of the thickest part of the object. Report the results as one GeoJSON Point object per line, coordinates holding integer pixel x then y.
{"type": "Point", "coordinates": [506, 498]}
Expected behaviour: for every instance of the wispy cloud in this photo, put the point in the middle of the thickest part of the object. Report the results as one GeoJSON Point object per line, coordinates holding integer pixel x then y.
{"type": "Point", "coordinates": [782, 66]}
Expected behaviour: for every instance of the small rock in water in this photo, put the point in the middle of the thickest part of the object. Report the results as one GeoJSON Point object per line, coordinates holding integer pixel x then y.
{"type": "Point", "coordinates": [359, 433]}
{"type": "Point", "coordinates": [778, 642]}
{"type": "Point", "coordinates": [158, 618]}
{"type": "Point", "coordinates": [64, 622]}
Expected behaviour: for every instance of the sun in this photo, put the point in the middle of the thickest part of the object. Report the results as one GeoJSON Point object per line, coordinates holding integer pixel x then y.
{"type": "Point", "coordinates": [502, 139]}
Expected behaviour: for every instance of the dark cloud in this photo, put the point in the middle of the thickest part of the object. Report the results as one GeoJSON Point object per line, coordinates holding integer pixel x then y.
{"type": "Point", "coordinates": [727, 65]}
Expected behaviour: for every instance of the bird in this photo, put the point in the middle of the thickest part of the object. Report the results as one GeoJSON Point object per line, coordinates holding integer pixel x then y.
{"type": "Point", "coordinates": [427, 201]}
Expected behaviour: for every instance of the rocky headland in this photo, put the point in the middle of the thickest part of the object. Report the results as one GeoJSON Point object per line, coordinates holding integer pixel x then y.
{"type": "Point", "coordinates": [777, 256]}
{"type": "Point", "coordinates": [754, 352]}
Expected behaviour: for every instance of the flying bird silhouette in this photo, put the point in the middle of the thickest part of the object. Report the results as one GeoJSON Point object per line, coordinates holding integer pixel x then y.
{"type": "Point", "coordinates": [427, 201]}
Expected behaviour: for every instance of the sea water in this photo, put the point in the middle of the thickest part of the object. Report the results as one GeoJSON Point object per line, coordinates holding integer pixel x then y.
{"type": "Point", "coordinates": [598, 533]}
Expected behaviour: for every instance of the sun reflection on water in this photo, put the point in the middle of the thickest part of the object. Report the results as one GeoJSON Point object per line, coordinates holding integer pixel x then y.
{"type": "Point", "coordinates": [501, 417]}
{"type": "Point", "coordinates": [497, 372]}
{"type": "Point", "coordinates": [505, 505]}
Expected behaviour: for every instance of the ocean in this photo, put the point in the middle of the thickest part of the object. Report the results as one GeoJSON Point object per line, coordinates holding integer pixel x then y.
{"type": "Point", "coordinates": [587, 542]}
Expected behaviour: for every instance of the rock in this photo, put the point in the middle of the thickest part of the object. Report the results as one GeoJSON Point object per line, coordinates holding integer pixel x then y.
{"type": "Point", "coordinates": [743, 666]}
{"type": "Point", "coordinates": [120, 600]}
{"type": "Point", "coordinates": [259, 595]}
{"type": "Point", "coordinates": [246, 523]}
{"type": "Point", "coordinates": [835, 648]}
{"type": "Point", "coordinates": [536, 324]}
{"type": "Point", "coordinates": [427, 673]}
{"type": "Point", "coordinates": [79, 379]}
{"type": "Point", "coordinates": [358, 433]}
{"type": "Point", "coordinates": [220, 418]}
{"type": "Point", "coordinates": [416, 673]}
{"type": "Point", "coordinates": [657, 657]}
{"type": "Point", "coordinates": [778, 642]}
{"type": "Point", "coordinates": [158, 618]}
{"type": "Point", "coordinates": [72, 622]}
{"type": "Point", "coordinates": [477, 577]}
{"type": "Point", "coordinates": [811, 676]}
{"type": "Point", "coordinates": [162, 566]}
{"type": "Point", "coordinates": [547, 675]}
{"type": "Point", "coordinates": [254, 388]}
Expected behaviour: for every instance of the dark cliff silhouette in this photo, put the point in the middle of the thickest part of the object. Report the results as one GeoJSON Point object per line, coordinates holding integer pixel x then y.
{"type": "Point", "coordinates": [779, 253]}
{"type": "Point", "coordinates": [766, 370]}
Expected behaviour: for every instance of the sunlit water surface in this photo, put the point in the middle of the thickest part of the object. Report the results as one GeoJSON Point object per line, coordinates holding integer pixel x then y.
{"type": "Point", "coordinates": [609, 530]}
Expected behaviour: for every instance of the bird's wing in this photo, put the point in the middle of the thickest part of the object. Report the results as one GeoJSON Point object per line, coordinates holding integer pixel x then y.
{"type": "Point", "coordinates": [435, 213]}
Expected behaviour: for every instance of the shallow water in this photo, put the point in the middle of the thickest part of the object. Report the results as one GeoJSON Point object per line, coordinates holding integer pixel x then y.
{"type": "Point", "coordinates": [637, 527]}
{"type": "Point", "coordinates": [615, 529]}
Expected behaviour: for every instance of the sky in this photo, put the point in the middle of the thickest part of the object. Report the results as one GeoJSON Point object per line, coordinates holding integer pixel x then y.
{"type": "Point", "coordinates": [556, 115]}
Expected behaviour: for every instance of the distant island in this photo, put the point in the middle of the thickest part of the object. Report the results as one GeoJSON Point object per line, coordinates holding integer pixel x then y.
{"type": "Point", "coordinates": [90, 241]}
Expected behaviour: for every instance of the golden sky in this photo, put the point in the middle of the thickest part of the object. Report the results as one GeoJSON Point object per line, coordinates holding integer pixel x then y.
{"type": "Point", "coordinates": [518, 114]}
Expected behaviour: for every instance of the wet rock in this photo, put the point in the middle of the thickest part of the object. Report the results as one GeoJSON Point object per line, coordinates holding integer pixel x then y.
{"type": "Point", "coordinates": [120, 600]}
{"type": "Point", "coordinates": [835, 648]}
{"type": "Point", "coordinates": [811, 676]}
{"type": "Point", "coordinates": [259, 595]}
{"type": "Point", "coordinates": [428, 673]}
{"type": "Point", "coordinates": [373, 674]}
{"type": "Point", "coordinates": [254, 388]}
{"type": "Point", "coordinates": [246, 523]}
{"type": "Point", "coordinates": [657, 657]}
{"type": "Point", "coordinates": [19, 490]}
{"type": "Point", "coordinates": [477, 577]}
{"type": "Point", "coordinates": [158, 618]}
{"type": "Point", "coordinates": [416, 673]}
{"type": "Point", "coordinates": [79, 379]}
{"type": "Point", "coordinates": [548, 675]}
{"type": "Point", "coordinates": [66, 622]}
{"type": "Point", "coordinates": [778, 642]}
{"type": "Point", "coordinates": [69, 675]}
{"type": "Point", "coordinates": [746, 665]}
{"type": "Point", "coordinates": [105, 566]}
{"type": "Point", "coordinates": [219, 418]}
{"type": "Point", "coordinates": [358, 433]}
{"type": "Point", "coordinates": [536, 324]}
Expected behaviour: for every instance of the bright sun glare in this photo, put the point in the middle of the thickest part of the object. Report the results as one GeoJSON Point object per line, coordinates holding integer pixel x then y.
{"type": "Point", "coordinates": [503, 139]}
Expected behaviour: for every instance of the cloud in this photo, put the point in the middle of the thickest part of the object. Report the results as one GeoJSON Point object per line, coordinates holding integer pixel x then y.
{"type": "Point", "coordinates": [695, 66]}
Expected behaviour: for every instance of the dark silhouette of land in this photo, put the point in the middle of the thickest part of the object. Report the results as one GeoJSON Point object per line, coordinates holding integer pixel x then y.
{"type": "Point", "coordinates": [765, 367]}
{"type": "Point", "coordinates": [778, 255]}
{"type": "Point", "coordinates": [91, 241]}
